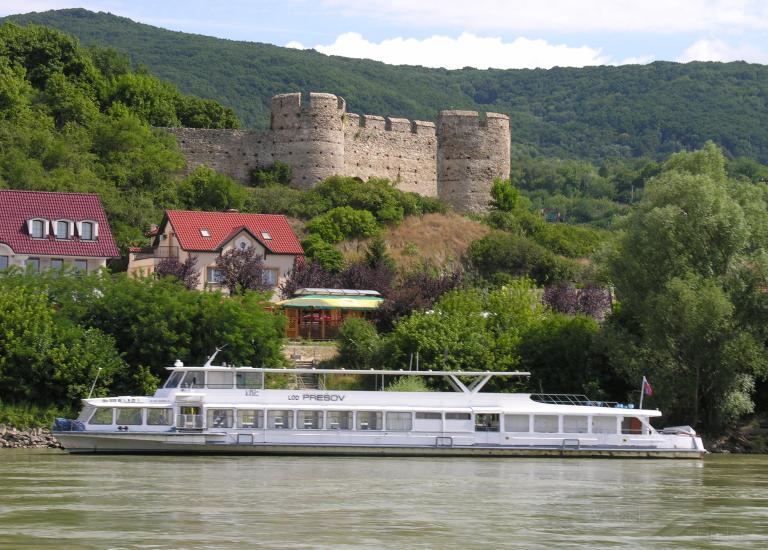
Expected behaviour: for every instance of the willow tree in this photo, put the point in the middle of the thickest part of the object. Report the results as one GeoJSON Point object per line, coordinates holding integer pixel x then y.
{"type": "Point", "coordinates": [689, 269]}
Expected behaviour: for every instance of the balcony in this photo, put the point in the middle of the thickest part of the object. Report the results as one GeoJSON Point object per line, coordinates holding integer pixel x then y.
{"type": "Point", "coordinates": [158, 252]}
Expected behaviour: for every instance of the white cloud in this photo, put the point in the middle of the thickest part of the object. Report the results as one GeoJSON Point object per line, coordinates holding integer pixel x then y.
{"type": "Point", "coordinates": [718, 50]}
{"type": "Point", "coordinates": [296, 45]}
{"type": "Point", "coordinates": [467, 50]}
{"type": "Point", "coordinates": [566, 15]}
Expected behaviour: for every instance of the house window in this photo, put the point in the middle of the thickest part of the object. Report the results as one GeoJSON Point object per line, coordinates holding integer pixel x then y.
{"type": "Point", "coordinates": [266, 236]}
{"type": "Point", "coordinates": [57, 264]}
{"type": "Point", "coordinates": [3, 262]}
{"type": "Point", "coordinates": [33, 265]}
{"type": "Point", "coordinates": [205, 233]}
{"type": "Point", "coordinates": [86, 231]}
{"type": "Point", "coordinates": [38, 229]}
{"type": "Point", "coordinates": [214, 276]}
{"type": "Point", "coordinates": [62, 230]}
{"type": "Point", "coordinates": [81, 266]}
{"type": "Point", "coordinates": [269, 277]}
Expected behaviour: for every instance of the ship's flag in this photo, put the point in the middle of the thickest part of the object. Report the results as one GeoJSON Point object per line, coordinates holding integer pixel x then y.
{"type": "Point", "coordinates": [647, 389]}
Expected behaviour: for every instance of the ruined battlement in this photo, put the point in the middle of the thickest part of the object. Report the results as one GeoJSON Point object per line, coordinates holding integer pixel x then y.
{"type": "Point", "coordinates": [456, 158]}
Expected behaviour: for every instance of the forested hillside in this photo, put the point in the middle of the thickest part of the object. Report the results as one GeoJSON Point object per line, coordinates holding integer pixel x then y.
{"type": "Point", "coordinates": [591, 113]}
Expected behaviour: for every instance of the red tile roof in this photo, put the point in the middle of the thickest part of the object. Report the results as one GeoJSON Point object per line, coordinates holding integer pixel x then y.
{"type": "Point", "coordinates": [222, 226]}
{"type": "Point", "coordinates": [16, 207]}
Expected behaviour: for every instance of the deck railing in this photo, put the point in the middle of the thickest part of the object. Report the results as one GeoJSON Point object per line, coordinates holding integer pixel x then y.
{"type": "Point", "coordinates": [576, 399]}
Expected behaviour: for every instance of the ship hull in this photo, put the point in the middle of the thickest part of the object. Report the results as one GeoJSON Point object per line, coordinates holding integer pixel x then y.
{"type": "Point", "coordinates": [85, 443]}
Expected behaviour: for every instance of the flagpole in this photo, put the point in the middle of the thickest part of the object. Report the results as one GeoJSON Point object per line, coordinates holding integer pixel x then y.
{"type": "Point", "coordinates": [642, 392]}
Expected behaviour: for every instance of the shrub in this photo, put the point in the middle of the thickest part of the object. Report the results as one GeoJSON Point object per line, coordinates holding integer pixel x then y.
{"type": "Point", "coordinates": [517, 256]}
{"type": "Point", "coordinates": [343, 222]}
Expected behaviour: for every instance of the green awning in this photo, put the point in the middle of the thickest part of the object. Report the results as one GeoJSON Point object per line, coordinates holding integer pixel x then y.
{"type": "Point", "coordinates": [365, 303]}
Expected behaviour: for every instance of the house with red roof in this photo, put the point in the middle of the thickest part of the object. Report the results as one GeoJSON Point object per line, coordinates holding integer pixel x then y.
{"type": "Point", "coordinates": [207, 235]}
{"type": "Point", "coordinates": [48, 230]}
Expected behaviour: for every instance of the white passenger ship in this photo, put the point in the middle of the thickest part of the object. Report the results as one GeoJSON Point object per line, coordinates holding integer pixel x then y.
{"type": "Point", "coordinates": [221, 409]}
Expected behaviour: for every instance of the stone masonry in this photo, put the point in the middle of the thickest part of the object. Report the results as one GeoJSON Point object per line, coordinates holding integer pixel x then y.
{"type": "Point", "coordinates": [455, 160]}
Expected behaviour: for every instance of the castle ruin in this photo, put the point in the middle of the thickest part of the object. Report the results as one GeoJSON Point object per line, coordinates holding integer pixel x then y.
{"type": "Point", "coordinates": [455, 159]}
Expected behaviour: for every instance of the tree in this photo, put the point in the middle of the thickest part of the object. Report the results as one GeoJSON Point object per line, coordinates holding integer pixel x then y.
{"type": "Point", "coordinates": [205, 189]}
{"type": "Point", "coordinates": [186, 272]}
{"type": "Point", "coordinates": [504, 196]}
{"type": "Point", "coordinates": [684, 319]}
{"type": "Point", "coordinates": [242, 269]}
{"type": "Point", "coordinates": [307, 274]}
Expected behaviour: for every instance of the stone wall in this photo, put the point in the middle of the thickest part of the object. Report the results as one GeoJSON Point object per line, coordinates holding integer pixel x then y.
{"type": "Point", "coordinates": [401, 150]}
{"type": "Point", "coordinates": [456, 160]}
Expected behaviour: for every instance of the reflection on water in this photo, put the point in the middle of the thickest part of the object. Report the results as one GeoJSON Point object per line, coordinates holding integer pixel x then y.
{"type": "Point", "coordinates": [49, 499]}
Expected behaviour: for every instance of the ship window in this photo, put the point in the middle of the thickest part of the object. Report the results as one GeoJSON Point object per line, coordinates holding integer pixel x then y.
{"type": "Point", "coordinates": [545, 423]}
{"type": "Point", "coordinates": [130, 416]}
{"type": "Point", "coordinates": [249, 380]}
{"type": "Point", "coordinates": [516, 423]}
{"type": "Point", "coordinates": [221, 379]}
{"type": "Point", "coordinates": [428, 416]}
{"type": "Point", "coordinates": [631, 425]}
{"type": "Point", "coordinates": [339, 420]}
{"type": "Point", "coordinates": [220, 418]}
{"type": "Point", "coordinates": [194, 379]}
{"type": "Point", "coordinates": [173, 381]}
{"type": "Point", "coordinates": [457, 416]}
{"type": "Point", "coordinates": [86, 413]}
{"type": "Point", "coordinates": [102, 416]}
{"type": "Point", "coordinates": [159, 417]}
{"type": "Point", "coordinates": [280, 420]}
{"type": "Point", "coordinates": [604, 424]}
{"type": "Point", "coordinates": [369, 420]}
{"type": "Point", "coordinates": [250, 418]}
{"type": "Point", "coordinates": [575, 424]}
{"type": "Point", "coordinates": [486, 422]}
{"type": "Point", "coordinates": [399, 421]}
{"type": "Point", "coordinates": [311, 420]}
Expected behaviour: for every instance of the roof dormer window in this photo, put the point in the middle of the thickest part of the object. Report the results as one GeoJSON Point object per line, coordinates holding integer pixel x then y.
{"type": "Point", "coordinates": [266, 236]}
{"type": "Point", "coordinates": [88, 230]}
{"type": "Point", "coordinates": [38, 229]}
{"type": "Point", "coordinates": [205, 233]}
{"type": "Point", "coordinates": [64, 229]}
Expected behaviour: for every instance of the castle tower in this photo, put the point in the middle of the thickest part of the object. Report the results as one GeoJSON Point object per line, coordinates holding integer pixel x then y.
{"type": "Point", "coordinates": [471, 152]}
{"type": "Point", "coordinates": [309, 138]}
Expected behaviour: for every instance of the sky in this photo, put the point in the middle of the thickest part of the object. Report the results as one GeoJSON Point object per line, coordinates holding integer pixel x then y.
{"type": "Point", "coordinates": [503, 34]}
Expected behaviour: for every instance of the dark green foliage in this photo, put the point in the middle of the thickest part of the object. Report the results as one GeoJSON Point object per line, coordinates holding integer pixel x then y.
{"type": "Point", "coordinates": [325, 254]}
{"type": "Point", "coordinates": [278, 173]}
{"type": "Point", "coordinates": [205, 189]}
{"type": "Point", "coordinates": [690, 270]}
{"type": "Point", "coordinates": [560, 355]}
{"type": "Point", "coordinates": [56, 332]}
{"type": "Point", "coordinates": [80, 120]}
{"type": "Point", "coordinates": [587, 113]}
{"type": "Point", "coordinates": [343, 222]}
{"type": "Point", "coordinates": [499, 256]}
{"type": "Point", "coordinates": [358, 344]}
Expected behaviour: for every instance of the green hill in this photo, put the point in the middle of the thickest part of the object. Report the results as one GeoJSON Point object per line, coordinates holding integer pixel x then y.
{"type": "Point", "coordinates": [590, 113]}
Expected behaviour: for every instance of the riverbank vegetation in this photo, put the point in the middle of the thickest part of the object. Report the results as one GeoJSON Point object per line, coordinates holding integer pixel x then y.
{"type": "Point", "coordinates": [588, 273]}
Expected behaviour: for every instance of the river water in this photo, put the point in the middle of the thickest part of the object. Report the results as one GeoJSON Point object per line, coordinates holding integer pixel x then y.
{"type": "Point", "coordinates": [49, 499]}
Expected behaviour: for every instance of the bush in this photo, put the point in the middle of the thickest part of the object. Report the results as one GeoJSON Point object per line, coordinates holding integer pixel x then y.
{"type": "Point", "coordinates": [343, 222]}
{"type": "Point", "coordinates": [358, 344]}
{"type": "Point", "coordinates": [323, 253]}
{"type": "Point", "coordinates": [277, 174]}
{"type": "Point", "coordinates": [503, 253]}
